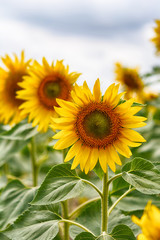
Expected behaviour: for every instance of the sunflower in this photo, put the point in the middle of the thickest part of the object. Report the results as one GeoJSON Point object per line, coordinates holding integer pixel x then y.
{"type": "Point", "coordinates": [156, 39]}
{"type": "Point", "coordinates": [44, 84]}
{"type": "Point", "coordinates": [10, 77]}
{"type": "Point", "coordinates": [130, 80]}
{"type": "Point", "coordinates": [149, 223]}
{"type": "Point", "coordinates": [97, 128]}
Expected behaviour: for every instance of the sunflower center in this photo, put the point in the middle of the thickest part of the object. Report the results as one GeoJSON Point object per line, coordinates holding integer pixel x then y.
{"type": "Point", "coordinates": [52, 89]}
{"type": "Point", "coordinates": [97, 124]}
{"type": "Point", "coordinates": [131, 80]}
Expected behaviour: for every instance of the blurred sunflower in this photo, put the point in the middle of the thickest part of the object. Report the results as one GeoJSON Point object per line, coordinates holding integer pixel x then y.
{"type": "Point", "coordinates": [130, 80]}
{"type": "Point", "coordinates": [97, 128]}
{"type": "Point", "coordinates": [44, 84]}
{"type": "Point", "coordinates": [149, 223]}
{"type": "Point", "coordinates": [156, 39]}
{"type": "Point", "coordinates": [10, 77]}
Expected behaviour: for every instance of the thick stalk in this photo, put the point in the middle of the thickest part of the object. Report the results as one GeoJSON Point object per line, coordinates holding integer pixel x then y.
{"type": "Point", "coordinates": [105, 203]}
{"type": "Point", "coordinates": [65, 215]}
{"type": "Point", "coordinates": [33, 161]}
{"type": "Point", "coordinates": [65, 210]}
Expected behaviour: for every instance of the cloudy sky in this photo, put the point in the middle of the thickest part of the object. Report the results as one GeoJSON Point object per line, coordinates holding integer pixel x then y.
{"type": "Point", "coordinates": [90, 35]}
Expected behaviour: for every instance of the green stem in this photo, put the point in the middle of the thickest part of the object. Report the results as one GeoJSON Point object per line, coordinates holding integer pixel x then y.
{"type": "Point", "coordinates": [119, 199]}
{"type": "Point", "coordinates": [105, 203]}
{"type": "Point", "coordinates": [94, 186]}
{"type": "Point", "coordinates": [115, 177]}
{"type": "Point", "coordinates": [76, 224]}
{"type": "Point", "coordinates": [65, 215]}
{"type": "Point", "coordinates": [80, 207]}
{"type": "Point", "coordinates": [34, 164]}
{"type": "Point", "coordinates": [6, 170]}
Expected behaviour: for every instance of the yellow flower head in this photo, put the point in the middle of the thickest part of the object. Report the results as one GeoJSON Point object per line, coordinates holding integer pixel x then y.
{"type": "Point", "coordinates": [130, 80]}
{"type": "Point", "coordinates": [44, 84]}
{"type": "Point", "coordinates": [97, 128]}
{"type": "Point", "coordinates": [10, 77]}
{"type": "Point", "coordinates": [156, 39]}
{"type": "Point", "coordinates": [149, 223]}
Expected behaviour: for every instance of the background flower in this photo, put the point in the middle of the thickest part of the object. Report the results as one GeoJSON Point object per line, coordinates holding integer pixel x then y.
{"type": "Point", "coordinates": [149, 223]}
{"type": "Point", "coordinates": [44, 84]}
{"type": "Point", "coordinates": [10, 77]}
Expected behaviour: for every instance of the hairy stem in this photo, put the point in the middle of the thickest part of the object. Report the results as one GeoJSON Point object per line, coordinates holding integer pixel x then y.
{"type": "Point", "coordinates": [33, 161]}
{"type": "Point", "coordinates": [65, 215]}
{"type": "Point", "coordinates": [92, 185]}
{"type": "Point", "coordinates": [80, 207]}
{"type": "Point", "coordinates": [76, 224]}
{"type": "Point", "coordinates": [119, 199]}
{"type": "Point", "coordinates": [115, 177]}
{"type": "Point", "coordinates": [105, 203]}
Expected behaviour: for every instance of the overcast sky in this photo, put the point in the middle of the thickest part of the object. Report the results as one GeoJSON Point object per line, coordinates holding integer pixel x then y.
{"type": "Point", "coordinates": [90, 35]}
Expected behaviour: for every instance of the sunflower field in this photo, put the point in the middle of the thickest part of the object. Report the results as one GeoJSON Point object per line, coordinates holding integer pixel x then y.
{"type": "Point", "coordinates": [76, 164]}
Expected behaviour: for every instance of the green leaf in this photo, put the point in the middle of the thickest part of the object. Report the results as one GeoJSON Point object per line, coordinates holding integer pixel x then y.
{"type": "Point", "coordinates": [90, 217]}
{"type": "Point", "coordinates": [85, 236]}
{"type": "Point", "coordinates": [3, 237]}
{"type": "Point", "coordinates": [122, 232]}
{"type": "Point", "coordinates": [143, 175]}
{"type": "Point", "coordinates": [61, 183]}
{"type": "Point", "coordinates": [133, 201]}
{"type": "Point", "coordinates": [14, 200]}
{"type": "Point", "coordinates": [22, 131]}
{"type": "Point", "coordinates": [121, 218]}
{"type": "Point", "coordinates": [14, 139]}
{"type": "Point", "coordinates": [37, 223]}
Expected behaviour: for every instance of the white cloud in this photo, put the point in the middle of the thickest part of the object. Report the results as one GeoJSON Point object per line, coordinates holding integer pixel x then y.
{"type": "Point", "coordinates": [93, 56]}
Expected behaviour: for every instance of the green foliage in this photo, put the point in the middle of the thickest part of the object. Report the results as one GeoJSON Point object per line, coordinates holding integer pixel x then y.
{"type": "Point", "coordinates": [90, 217]}
{"type": "Point", "coordinates": [85, 236]}
{"type": "Point", "coordinates": [15, 139]}
{"type": "Point", "coordinates": [122, 232]}
{"type": "Point", "coordinates": [37, 223]}
{"type": "Point", "coordinates": [14, 200]}
{"type": "Point", "coordinates": [61, 183]}
{"type": "Point", "coordinates": [3, 237]}
{"type": "Point", "coordinates": [143, 175]}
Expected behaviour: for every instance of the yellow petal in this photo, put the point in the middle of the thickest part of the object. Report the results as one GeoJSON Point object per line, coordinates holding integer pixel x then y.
{"type": "Point", "coordinates": [65, 113]}
{"type": "Point", "coordinates": [94, 158]}
{"type": "Point", "coordinates": [61, 134]}
{"type": "Point", "coordinates": [122, 108]}
{"type": "Point", "coordinates": [74, 150]}
{"type": "Point", "coordinates": [87, 91]}
{"type": "Point", "coordinates": [114, 155]}
{"type": "Point", "coordinates": [134, 125]}
{"type": "Point", "coordinates": [69, 106]}
{"type": "Point", "coordinates": [66, 142]}
{"type": "Point", "coordinates": [122, 148]}
{"type": "Point", "coordinates": [76, 160]}
{"type": "Point", "coordinates": [103, 159]}
{"type": "Point", "coordinates": [84, 156]}
{"type": "Point", "coordinates": [132, 135]}
{"type": "Point", "coordinates": [63, 121]}
{"type": "Point", "coordinates": [108, 93]}
{"type": "Point", "coordinates": [130, 143]}
{"type": "Point", "coordinates": [97, 91]}
{"type": "Point", "coordinates": [76, 99]}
